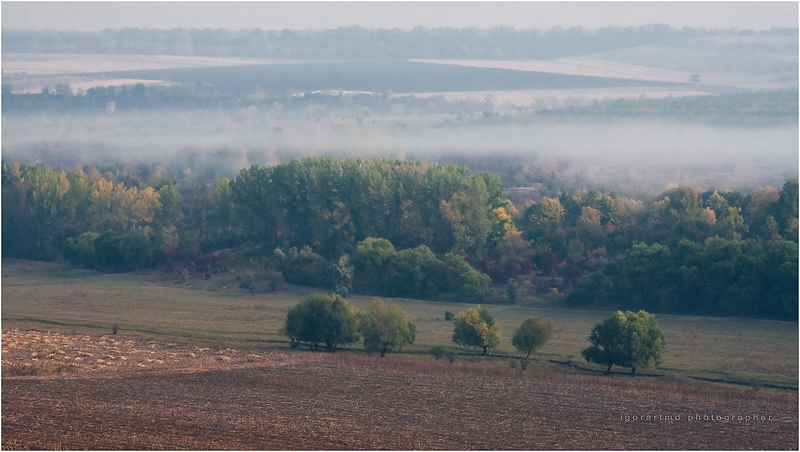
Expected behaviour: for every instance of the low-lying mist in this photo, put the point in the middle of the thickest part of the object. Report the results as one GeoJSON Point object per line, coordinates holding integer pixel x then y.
{"type": "Point", "coordinates": [648, 154]}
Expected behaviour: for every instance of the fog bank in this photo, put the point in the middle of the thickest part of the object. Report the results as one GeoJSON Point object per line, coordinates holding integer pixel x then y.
{"type": "Point", "coordinates": [222, 143]}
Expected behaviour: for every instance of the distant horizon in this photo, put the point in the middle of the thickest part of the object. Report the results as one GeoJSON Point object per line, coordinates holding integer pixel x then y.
{"type": "Point", "coordinates": [97, 16]}
{"type": "Point", "coordinates": [797, 27]}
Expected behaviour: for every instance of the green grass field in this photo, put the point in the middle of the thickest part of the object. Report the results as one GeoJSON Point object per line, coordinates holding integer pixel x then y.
{"type": "Point", "coordinates": [58, 297]}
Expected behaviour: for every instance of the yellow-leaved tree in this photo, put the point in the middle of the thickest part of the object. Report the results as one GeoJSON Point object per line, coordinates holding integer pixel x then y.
{"type": "Point", "coordinates": [476, 328]}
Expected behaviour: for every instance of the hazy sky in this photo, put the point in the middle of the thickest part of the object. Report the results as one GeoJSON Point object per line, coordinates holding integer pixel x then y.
{"type": "Point", "coordinates": [405, 15]}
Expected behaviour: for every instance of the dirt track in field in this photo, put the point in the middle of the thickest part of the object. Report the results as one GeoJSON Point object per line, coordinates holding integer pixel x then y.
{"type": "Point", "coordinates": [322, 401]}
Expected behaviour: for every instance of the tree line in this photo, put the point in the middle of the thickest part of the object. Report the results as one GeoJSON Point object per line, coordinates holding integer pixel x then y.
{"type": "Point", "coordinates": [627, 339]}
{"type": "Point", "coordinates": [61, 98]}
{"type": "Point", "coordinates": [359, 43]}
{"type": "Point", "coordinates": [418, 229]}
{"type": "Point", "coordinates": [741, 109]}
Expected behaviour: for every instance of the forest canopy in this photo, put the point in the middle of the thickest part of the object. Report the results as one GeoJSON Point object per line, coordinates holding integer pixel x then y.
{"type": "Point", "coordinates": [419, 229]}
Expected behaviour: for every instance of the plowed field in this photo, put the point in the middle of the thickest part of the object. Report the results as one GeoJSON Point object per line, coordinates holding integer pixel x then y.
{"type": "Point", "coordinates": [308, 400]}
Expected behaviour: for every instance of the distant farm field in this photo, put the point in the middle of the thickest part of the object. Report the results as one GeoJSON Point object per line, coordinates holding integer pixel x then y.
{"type": "Point", "coordinates": [60, 63]}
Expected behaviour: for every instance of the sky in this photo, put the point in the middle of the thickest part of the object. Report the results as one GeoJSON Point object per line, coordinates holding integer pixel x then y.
{"type": "Point", "coordinates": [94, 16]}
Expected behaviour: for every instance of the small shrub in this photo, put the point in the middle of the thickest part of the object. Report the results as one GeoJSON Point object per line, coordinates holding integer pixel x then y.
{"type": "Point", "coordinates": [512, 363]}
{"type": "Point", "coordinates": [451, 356]}
{"type": "Point", "coordinates": [21, 370]}
{"type": "Point", "coordinates": [437, 351]}
{"type": "Point", "coordinates": [248, 284]}
{"type": "Point", "coordinates": [449, 316]}
{"type": "Point", "coordinates": [523, 364]}
{"type": "Point", "coordinates": [274, 278]}
{"type": "Point", "coordinates": [304, 267]}
{"type": "Point", "coordinates": [512, 290]}
{"type": "Point", "coordinates": [114, 329]}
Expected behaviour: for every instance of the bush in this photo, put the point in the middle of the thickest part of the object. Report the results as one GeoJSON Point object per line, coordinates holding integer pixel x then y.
{"type": "Point", "coordinates": [415, 273]}
{"type": "Point", "coordinates": [474, 286]}
{"type": "Point", "coordinates": [274, 278]}
{"type": "Point", "coordinates": [451, 356]}
{"type": "Point", "coordinates": [380, 269]}
{"type": "Point", "coordinates": [449, 316]}
{"type": "Point", "coordinates": [122, 253]}
{"type": "Point", "coordinates": [304, 267]}
{"type": "Point", "coordinates": [476, 328]}
{"type": "Point", "coordinates": [512, 289]}
{"type": "Point", "coordinates": [248, 284]}
{"type": "Point", "coordinates": [629, 339]}
{"type": "Point", "coordinates": [532, 334]}
{"type": "Point", "coordinates": [437, 351]}
{"type": "Point", "coordinates": [385, 328]}
{"type": "Point", "coordinates": [320, 318]}
{"type": "Point", "coordinates": [81, 251]}
{"type": "Point", "coordinates": [110, 251]}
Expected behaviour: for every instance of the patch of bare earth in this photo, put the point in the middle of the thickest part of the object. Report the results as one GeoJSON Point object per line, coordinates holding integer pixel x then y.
{"type": "Point", "coordinates": [44, 353]}
{"type": "Point", "coordinates": [318, 401]}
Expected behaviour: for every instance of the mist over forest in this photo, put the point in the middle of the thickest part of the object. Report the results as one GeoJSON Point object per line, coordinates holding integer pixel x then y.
{"type": "Point", "coordinates": [632, 109]}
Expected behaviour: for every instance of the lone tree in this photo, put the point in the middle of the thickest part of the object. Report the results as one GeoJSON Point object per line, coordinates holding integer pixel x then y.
{"type": "Point", "coordinates": [629, 339]}
{"type": "Point", "coordinates": [476, 328]}
{"type": "Point", "coordinates": [321, 319]}
{"type": "Point", "coordinates": [385, 328]}
{"type": "Point", "coordinates": [532, 334]}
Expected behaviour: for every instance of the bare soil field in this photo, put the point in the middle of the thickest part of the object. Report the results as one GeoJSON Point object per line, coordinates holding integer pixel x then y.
{"type": "Point", "coordinates": [30, 352]}
{"type": "Point", "coordinates": [321, 401]}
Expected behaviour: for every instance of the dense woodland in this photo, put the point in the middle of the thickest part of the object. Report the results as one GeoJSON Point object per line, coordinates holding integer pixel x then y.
{"type": "Point", "coordinates": [418, 229]}
{"type": "Point", "coordinates": [359, 42]}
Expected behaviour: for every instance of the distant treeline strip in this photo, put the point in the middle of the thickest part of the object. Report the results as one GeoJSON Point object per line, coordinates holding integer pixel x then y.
{"type": "Point", "coordinates": [748, 108]}
{"type": "Point", "coordinates": [743, 109]}
{"type": "Point", "coordinates": [357, 42]}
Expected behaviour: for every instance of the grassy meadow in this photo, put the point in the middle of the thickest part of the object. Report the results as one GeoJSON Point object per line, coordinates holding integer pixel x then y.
{"type": "Point", "coordinates": [58, 297]}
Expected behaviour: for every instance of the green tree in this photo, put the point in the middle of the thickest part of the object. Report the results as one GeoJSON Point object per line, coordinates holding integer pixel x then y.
{"type": "Point", "coordinates": [476, 328]}
{"type": "Point", "coordinates": [81, 251]}
{"type": "Point", "coordinates": [385, 328]}
{"type": "Point", "coordinates": [547, 213]}
{"type": "Point", "coordinates": [320, 319]}
{"type": "Point", "coordinates": [475, 286]}
{"type": "Point", "coordinates": [629, 339]}
{"type": "Point", "coordinates": [532, 334]}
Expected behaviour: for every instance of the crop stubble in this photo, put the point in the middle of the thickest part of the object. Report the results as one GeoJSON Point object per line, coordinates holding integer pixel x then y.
{"type": "Point", "coordinates": [322, 401]}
